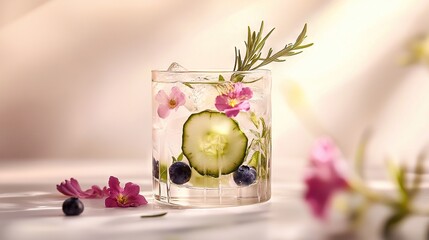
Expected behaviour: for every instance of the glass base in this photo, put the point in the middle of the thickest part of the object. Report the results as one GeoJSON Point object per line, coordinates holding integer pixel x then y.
{"type": "Point", "coordinates": [193, 197]}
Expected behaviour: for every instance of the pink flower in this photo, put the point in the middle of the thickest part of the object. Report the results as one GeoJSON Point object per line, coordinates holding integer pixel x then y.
{"type": "Point", "coordinates": [72, 188]}
{"type": "Point", "coordinates": [167, 103]}
{"type": "Point", "coordinates": [235, 100]}
{"type": "Point", "coordinates": [324, 177]}
{"type": "Point", "coordinates": [127, 197]}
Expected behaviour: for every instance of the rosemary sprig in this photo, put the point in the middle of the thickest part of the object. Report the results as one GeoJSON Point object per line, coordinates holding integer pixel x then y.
{"type": "Point", "coordinates": [254, 45]}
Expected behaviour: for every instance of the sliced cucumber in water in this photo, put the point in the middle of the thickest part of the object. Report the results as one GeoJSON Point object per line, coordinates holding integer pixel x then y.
{"type": "Point", "coordinates": [198, 180]}
{"type": "Point", "coordinates": [213, 143]}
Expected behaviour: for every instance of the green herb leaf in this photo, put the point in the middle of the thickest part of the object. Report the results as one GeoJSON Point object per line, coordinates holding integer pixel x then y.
{"type": "Point", "coordinates": [254, 119]}
{"type": "Point", "coordinates": [180, 157]}
{"type": "Point", "coordinates": [254, 160]}
{"type": "Point", "coordinates": [250, 146]}
{"type": "Point", "coordinates": [256, 133]}
{"type": "Point", "coordinates": [398, 174]}
{"type": "Point", "coordinates": [221, 78]}
{"type": "Point", "coordinates": [237, 77]}
{"type": "Point", "coordinates": [419, 170]}
{"type": "Point", "coordinates": [188, 85]}
{"type": "Point", "coordinates": [255, 44]}
{"type": "Point", "coordinates": [360, 154]}
{"type": "Point", "coordinates": [264, 127]}
{"type": "Point", "coordinates": [154, 215]}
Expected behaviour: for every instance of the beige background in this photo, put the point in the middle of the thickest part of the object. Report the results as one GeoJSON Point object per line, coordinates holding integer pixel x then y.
{"type": "Point", "coordinates": [75, 75]}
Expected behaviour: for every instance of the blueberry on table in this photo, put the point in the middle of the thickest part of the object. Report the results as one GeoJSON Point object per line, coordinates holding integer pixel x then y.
{"type": "Point", "coordinates": [72, 207]}
{"type": "Point", "coordinates": [180, 172]}
{"type": "Point", "coordinates": [244, 175]}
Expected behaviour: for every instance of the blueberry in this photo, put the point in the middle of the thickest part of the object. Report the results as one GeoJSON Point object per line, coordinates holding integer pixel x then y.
{"type": "Point", "coordinates": [180, 172]}
{"type": "Point", "coordinates": [72, 207]}
{"type": "Point", "coordinates": [244, 175]}
{"type": "Point", "coordinates": [155, 168]}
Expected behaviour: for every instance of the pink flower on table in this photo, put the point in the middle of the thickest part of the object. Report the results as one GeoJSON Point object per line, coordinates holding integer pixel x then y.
{"type": "Point", "coordinates": [72, 188]}
{"type": "Point", "coordinates": [169, 102]}
{"type": "Point", "coordinates": [123, 197]}
{"type": "Point", "coordinates": [324, 177]}
{"type": "Point", "coordinates": [235, 100]}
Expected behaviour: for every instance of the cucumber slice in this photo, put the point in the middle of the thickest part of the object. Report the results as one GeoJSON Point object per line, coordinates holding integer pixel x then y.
{"type": "Point", "coordinates": [213, 143]}
{"type": "Point", "coordinates": [198, 180]}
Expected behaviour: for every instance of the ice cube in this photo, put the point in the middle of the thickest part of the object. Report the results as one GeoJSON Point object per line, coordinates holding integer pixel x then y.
{"type": "Point", "coordinates": [200, 97]}
{"type": "Point", "coordinates": [175, 67]}
{"type": "Point", "coordinates": [173, 133]}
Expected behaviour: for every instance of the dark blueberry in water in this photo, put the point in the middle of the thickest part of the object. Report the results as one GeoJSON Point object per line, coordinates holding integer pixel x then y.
{"type": "Point", "coordinates": [72, 207]}
{"type": "Point", "coordinates": [155, 168]}
{"type": "Point", "coordinates": [180, 172]}
{"type": "Point", "coordinates": [244, 175]}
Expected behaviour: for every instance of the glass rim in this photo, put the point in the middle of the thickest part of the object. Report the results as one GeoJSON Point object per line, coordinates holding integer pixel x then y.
{"type": "Point", "coordinates": [211, 71]}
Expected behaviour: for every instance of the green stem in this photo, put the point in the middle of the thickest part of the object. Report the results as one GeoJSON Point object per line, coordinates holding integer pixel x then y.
{"type": "Point", "coordinates": [358, 213]}
{"type": "Point", "coordinates": [372, 196]}
{"type": "Point", "coordinates": [419, 211]}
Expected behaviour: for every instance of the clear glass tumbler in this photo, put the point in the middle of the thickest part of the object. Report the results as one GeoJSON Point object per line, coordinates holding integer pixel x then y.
{"type": "Point", "coordinates": [211, 137]}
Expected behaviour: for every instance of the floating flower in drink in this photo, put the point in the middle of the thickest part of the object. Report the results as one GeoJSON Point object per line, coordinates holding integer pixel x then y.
{"type": "Point", "coordinates": [169, 102]}
{"type": "Point", "coordinates": [235, 100]}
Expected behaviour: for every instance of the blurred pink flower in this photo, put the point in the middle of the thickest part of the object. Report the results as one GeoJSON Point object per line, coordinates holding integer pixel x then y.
{"type": "Point", "coordinates": [127, 197]}
{"type": "Point", "coordinates": [235, 100]}
{"type": "Point", "coordinates": [167, 103]}
{"type": "Point", "coordinates": [324, 177]}
{"type": "Point", "coordinates": [72, 188]}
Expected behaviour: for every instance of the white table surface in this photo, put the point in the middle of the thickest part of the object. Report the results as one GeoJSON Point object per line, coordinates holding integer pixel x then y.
{"type": "Point", "coordinates": [30, 208]}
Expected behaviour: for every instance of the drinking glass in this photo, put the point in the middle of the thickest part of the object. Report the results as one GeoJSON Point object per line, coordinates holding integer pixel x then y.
{"type": "Point", "coordinates": [211, 137]}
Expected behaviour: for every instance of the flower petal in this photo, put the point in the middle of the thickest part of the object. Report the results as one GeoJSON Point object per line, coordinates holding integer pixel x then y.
{"type": "Point", "coordinates": [222, 103]}
{"type": "Point", "coordinates": [246, 93]}
{"type": "Point", "coordinates": [243, 106]}
{"type": "Point", "coordinates": [72, 188]}
{"type": "Point", "coordinates": [324, 178]}
{"type": "Point", "coordinates": [114, 188]}
{"type": "Point", "coordinates": [175, 92]}
{"type": "Point", "coordinates": [319, 192]}
{"type": "Point", "coordinates": [111, 202]}
{"type": "Point", "coordinates": [178, 96]}
{"type": "Point", "coordinates": [68, 185]}
{"type": "Point", "coordinates": [162, 97]}
{"type": "Point", "coordinates": [135, 201]}
{"type": "Point", "coordinates": [232, 112]}
{"type": "Point", "coordinates": [238, 87]}
{"type": "Point", "coordinates": [75, 184]}
{"type": "Point", "coordinates": [324, 151]}
{"type": "Point", "coordinates": [180, 100]}
{"type": "Point", "coordinates": [131, 189]}
{"type": "Point", "coordinates": [163, 111]}
{"type": "Point", "coordinates": [96, 192]}
{"type": "Point", "coordinates": [64, 190]}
